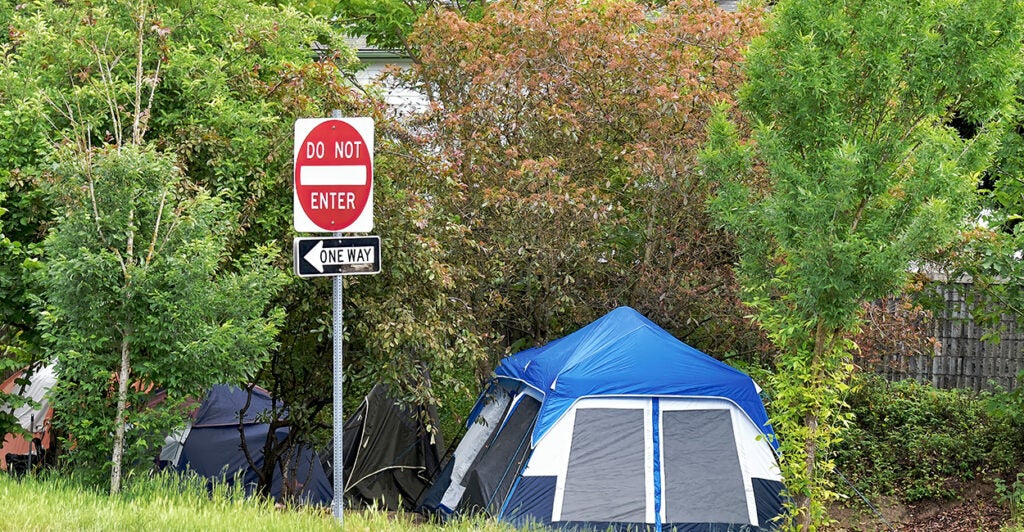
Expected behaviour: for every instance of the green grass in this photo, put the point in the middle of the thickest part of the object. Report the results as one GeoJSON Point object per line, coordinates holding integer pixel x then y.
{"type": "Point", "coordinates": [168, 503]}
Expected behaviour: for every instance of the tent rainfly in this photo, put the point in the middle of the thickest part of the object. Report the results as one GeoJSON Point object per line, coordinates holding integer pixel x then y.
{"type": "Point", "coordinates": [391, 457]}
{"type": "Point", "coordinates": [211, 446]}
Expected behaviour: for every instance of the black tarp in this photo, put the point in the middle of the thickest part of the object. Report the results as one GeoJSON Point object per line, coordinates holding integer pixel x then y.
{"type": "Point", "coordinates": [390, 456]}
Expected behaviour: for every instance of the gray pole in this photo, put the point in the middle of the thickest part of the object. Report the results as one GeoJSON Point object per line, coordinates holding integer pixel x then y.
{"type": "Point", "coordinates": [339, 420]}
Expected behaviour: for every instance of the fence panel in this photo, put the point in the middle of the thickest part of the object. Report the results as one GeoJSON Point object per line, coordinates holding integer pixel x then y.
{"type": "Point", "coordinates": [963, 357]}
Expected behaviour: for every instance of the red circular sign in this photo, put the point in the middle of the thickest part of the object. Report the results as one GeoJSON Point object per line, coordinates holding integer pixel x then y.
{"type": "Point", "coordinates": [333, 175]}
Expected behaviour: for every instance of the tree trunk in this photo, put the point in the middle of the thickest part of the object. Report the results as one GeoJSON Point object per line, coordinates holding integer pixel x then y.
{"type": "Point", "coordinates": [119, 425]}
{"type": "Point", "coordinates": [804, 518]}
{"type": "Point", "coordinates": [810, 450]}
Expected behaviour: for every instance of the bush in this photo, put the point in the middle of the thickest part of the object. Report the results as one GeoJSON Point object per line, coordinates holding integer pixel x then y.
{"type": "Point", "coordinates": [916, 442]}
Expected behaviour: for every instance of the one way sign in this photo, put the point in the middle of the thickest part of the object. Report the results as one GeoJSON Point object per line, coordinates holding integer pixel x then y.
{"type": "Point", "coordinates": [324, 256]}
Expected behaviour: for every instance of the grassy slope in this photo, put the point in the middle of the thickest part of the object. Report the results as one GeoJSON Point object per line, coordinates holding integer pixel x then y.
{"type": "Point", "coordinates": [163, 503]}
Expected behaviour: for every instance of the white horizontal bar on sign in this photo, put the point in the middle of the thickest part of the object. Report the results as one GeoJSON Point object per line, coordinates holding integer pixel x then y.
{"type": "Point", "coordinates": [332, 175]}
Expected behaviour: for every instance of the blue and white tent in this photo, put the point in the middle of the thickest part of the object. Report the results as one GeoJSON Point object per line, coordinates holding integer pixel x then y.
{"type": "Point", "coordinates": [617, 426]}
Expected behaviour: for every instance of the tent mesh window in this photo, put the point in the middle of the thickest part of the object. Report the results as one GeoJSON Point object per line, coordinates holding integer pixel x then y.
{"type": "Point", "coordinates": [703, 480]}
{"type": "Point", "coordinates": [604, 481]}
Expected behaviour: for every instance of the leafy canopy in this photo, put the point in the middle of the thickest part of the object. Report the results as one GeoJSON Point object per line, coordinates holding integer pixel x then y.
{"type": "Point", "coordinates": [190, 101]}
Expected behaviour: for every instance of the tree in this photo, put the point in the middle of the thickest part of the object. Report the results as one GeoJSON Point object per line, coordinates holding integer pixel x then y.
{"type": "Point", "coordinates": [12, 354]}
{"type": "Point", "coordinates": [850, 104]}
{"type": "Point", "coordinates": [222, 85]}
{"type": "Point", "coordinates": [991, 254]}
{"type": "Point", "coordinates": [141, 292]}
{"type": "Point", "coordinates": [21, 140]}
{"type": "Point", "coordinates": [572, 131]}
{"type": "Point", "coordinates": [127, 73]}
{"type": "Point", "coordinates": [387, 24]}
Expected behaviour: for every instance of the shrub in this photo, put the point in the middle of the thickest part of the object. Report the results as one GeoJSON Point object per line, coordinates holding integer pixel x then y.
{"type": "Point", "coordinates": [916, 442]}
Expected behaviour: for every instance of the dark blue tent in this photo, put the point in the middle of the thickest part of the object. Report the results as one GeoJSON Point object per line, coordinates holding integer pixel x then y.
{"type": "Point", "coordinates": [618, 425]}
{"type": "Point", "coordinates": [212, 446]}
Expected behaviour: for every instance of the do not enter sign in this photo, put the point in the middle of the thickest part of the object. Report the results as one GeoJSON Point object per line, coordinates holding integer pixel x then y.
{"type": "Point", "coordinates": [333, 175]}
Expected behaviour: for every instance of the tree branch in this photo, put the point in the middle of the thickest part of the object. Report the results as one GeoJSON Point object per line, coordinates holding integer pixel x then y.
{"type": "Point", "coordinates": [107, 76]}
{"type": "Point", "coordinates": [156, 226]}
{"type": "Point", "coordinates": [136, 136]}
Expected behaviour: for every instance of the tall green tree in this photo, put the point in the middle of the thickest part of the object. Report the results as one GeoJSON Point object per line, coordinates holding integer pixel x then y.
{"type": "Point", "coordinates": [12, 354]}
{"type": "Point", "coordinates": [991, 254]}
{"type": "Point", "coordinates": [222, 83]}
{"type": "Point", "coordinates": [140, 291]}
{"type": "Point", "coordinates": [387, 24]}
{"type": "Point", "coordinates": [850, 104]}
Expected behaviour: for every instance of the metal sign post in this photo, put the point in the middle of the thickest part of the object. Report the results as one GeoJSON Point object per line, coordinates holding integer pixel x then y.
{"type": "Point", "coordinates": [337, 506]}
{"type": "Point", "coordinates": [334, 193]}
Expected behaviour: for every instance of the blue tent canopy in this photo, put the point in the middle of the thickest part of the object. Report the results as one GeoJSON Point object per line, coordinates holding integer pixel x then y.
{"type": "Point", "coordinates": [625, 354]}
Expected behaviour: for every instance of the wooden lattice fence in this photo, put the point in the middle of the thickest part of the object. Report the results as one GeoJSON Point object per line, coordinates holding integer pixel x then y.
{"type": "Point", "coordinates": [964, 357]}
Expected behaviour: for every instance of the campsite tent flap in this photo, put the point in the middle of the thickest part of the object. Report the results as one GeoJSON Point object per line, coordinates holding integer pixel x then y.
{"type": "Point", "coordinates": [224, 403]}
{"type": "Point", "coordinates": [390, 455]}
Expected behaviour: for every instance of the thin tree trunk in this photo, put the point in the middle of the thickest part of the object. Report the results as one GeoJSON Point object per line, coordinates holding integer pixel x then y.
{"type": "Point", "coordinates": [119, 425]}
{"type": "Point", "coordinates": [804, 502]}
{"type": "Point", "coordinates": [810, 450]}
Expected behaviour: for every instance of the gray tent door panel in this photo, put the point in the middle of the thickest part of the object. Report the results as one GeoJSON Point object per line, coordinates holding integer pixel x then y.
{"type": "Point", "coordinates": [501, 460]}
{"type": "Point", "coordinates": [703, 480]}
{"type": "Point", "coordinates": [604, 481]}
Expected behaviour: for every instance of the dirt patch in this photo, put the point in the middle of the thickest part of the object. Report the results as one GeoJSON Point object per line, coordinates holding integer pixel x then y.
{"type": "Point", "coordinates": [974, 510]}
{"type": "Point", "coordinates": [855, 516]}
